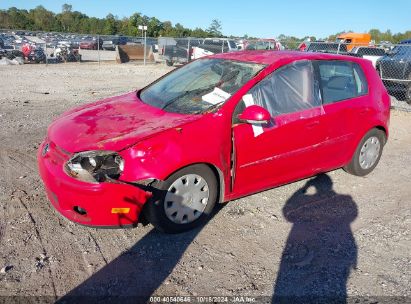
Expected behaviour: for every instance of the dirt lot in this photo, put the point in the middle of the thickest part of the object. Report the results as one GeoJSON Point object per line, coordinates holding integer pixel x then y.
{"type": "Point", "coordinates": [351, 236]}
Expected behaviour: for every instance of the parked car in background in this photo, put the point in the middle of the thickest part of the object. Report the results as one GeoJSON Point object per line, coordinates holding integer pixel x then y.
{"type": "Point", "coordinates": [395, 70]}
{"type": "Point", "coordinates": [370, 53]}
{"type": "Point", "coordinates": [212, 46]}
{"type": "Point", "coordinates": [92, 44]}
{"type": "Point", "coordinates": [178, 50]}
{"type": "Point", "coordinates": [110, 43]}
{"type": "Point", "coordinates": [264, 44]}
{"type": "Point", "coordinates": [75, 42]}
{"type": "Point", "coordinates": [65, 43]}
{"type": "Point", "coordinates": [37, 55]}
{"type": "Point", "coordinates": [65, 54]}
{"type": "Point", "coordinates": [13, 53]}
{"type": "Point", "coordinates": [3, 53]}
{"type": "Point", "coordinates": [212, 131]}
{"type": "Point", "coordinates": [7, 39]}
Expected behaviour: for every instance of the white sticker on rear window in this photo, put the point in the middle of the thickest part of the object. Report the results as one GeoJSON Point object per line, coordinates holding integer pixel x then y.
{"type": "Point", "coordinates": [216, 96]}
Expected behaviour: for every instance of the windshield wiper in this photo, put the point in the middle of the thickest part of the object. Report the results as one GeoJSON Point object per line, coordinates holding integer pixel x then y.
{"type": "Point", "coordinates": [175, 99]}
{"type": "Point", "coordinates": [210, 109]}
{"type": "Point", "coordinates": [197, 91]}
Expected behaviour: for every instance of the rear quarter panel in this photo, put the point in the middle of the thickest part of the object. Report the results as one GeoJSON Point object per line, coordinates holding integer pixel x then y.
{"type": "Point", "coordinates": [379, 99]}
{"type": "Point", "coordinates": [378, 105]}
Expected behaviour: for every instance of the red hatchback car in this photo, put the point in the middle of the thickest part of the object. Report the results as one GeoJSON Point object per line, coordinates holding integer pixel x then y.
{"type": "Point", "coordinates": [214, 130]}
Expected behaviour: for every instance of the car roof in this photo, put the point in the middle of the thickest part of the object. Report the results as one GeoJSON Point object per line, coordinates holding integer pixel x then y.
{"type": "Point", "coordinates": [271, 57]}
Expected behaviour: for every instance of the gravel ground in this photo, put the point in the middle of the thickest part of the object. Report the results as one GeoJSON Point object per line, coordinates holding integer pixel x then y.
{"type": "Point", "coordinates": [344, 235]}
{"type": "Point", "coordinates": [400, 105]}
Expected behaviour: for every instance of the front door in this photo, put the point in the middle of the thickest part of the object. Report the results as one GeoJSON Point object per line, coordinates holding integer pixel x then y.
{"type": "Point", "coordinates": [289, 147]}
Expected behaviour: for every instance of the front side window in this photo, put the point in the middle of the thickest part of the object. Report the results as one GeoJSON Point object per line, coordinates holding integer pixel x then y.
{"type": "Point", "coordinates": [341, 80]}
{"type": "Point", "coordinates": [291, 88]}
{"type": "Point", "coordinates": [200, 85]}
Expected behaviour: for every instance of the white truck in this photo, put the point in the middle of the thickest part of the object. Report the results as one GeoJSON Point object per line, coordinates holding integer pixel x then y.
{"type": "Point", "coordinates": [212, 46]}
{"type": "Point", "coordinates": [370, 53]}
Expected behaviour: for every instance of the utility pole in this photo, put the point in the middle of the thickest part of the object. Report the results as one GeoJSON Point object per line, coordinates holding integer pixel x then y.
{"type": "Point", "coordinates": [143, 28]}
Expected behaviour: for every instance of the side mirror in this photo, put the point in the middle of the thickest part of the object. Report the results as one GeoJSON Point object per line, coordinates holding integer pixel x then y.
{"type": "Point", "coordinates": [255, 115]}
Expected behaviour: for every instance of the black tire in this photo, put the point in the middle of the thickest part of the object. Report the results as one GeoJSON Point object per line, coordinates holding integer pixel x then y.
{"type": "Point", "coordinates": [169, 63]}
{"type": "Point", "coordinates": [154, 210]}
{"type": "Point", "coordinates": [354, 167]}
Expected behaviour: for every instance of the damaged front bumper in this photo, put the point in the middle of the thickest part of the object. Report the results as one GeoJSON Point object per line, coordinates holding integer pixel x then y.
{"type": "Point", "coordinates": [107, 204]}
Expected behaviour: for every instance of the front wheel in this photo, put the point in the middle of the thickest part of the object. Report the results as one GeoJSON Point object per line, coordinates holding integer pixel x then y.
{"type": "Point", "coordinates": [368, 153]}
{"type": "Point", "coordinates": [169, 63]}
{"type": "Point", "coordinates": [183, 201]}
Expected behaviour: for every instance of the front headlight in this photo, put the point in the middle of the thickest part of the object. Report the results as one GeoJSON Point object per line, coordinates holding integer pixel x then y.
{"type": "Point", "coordinates": [95, 166]}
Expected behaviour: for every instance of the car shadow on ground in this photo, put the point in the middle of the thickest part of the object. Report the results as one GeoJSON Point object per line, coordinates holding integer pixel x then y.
{"type": "Point", "coordinates": [135, 275]}
{"type": "Point", "coordinates": [320, 251]}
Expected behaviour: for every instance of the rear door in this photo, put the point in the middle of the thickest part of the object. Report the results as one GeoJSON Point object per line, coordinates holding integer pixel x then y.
{"type": "Point", "coordinates": [288, 147]}
{"type": "Point", "coordinates": [344, 93]}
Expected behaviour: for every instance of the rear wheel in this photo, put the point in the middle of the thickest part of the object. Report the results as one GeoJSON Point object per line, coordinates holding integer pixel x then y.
{"type": "Point", "coordinates": [183, 201]}
{"type": "Point", "coordinates": [368, 153]}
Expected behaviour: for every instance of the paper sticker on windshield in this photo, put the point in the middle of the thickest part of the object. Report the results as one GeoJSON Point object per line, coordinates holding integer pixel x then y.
{"type": "Point", "coordinates": [216, 96]}
{"type": "Point", "coordinates": [249, 101]}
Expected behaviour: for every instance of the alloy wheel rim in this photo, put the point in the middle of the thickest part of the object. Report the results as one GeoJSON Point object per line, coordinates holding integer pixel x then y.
{"type": "Point", "coordinates": [369, 152]}
{"type": "Point", "coordinates": [186, 199]}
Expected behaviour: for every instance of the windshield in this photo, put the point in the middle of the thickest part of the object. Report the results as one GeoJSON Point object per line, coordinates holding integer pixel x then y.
{"type": "Point", "coordinates": [401, 50]}
{"type": "Point", "coordinates": [199, 86]}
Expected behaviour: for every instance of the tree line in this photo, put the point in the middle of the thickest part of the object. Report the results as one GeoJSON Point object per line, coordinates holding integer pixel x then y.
{"type": "Point", "coordinates": [69, 21]}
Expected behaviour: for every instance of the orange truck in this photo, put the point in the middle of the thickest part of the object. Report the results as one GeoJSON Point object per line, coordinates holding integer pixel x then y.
{"type": "Point", "coordinates": [354, 39]}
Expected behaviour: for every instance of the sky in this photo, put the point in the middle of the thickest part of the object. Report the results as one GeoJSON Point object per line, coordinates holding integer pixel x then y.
{"type": "Point", "coordinates": [258, 18]}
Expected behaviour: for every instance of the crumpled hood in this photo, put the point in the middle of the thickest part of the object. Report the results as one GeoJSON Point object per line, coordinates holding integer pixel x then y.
{"type": "Point", "coordinates": [112, 124]}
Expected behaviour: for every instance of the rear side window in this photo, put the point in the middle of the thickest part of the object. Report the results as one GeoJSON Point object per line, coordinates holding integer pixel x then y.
{"type": "Point", "coordinates": [341, 80]}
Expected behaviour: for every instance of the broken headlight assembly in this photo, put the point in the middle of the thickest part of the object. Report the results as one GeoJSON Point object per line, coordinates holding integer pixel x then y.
{"type": "Point", "coordinates": [95, 166]}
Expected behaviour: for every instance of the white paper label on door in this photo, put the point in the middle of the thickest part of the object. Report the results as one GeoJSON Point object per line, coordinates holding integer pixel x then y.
{"type": "Point", "coordinates": [249, 101]}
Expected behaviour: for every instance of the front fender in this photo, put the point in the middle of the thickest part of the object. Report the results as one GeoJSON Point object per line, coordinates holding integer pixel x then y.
{"type": "Point", "coordinates": [207, 141]}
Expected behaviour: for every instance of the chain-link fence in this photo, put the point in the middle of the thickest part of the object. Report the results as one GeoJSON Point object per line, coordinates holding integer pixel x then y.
{"type": "Point", "coordinates": [51, 48]}
{"type": "Point", "coordinates": [392, 61]}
